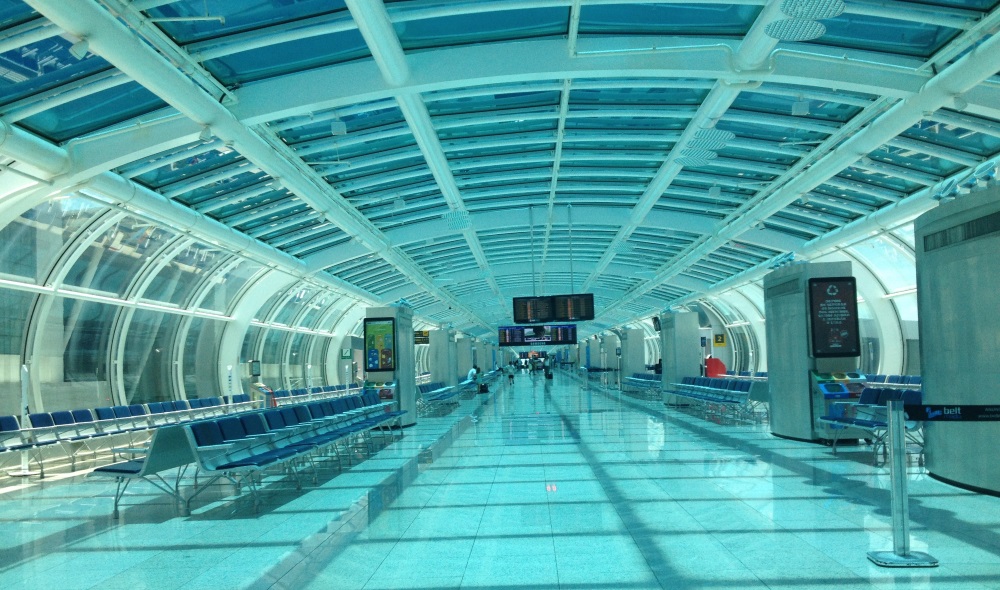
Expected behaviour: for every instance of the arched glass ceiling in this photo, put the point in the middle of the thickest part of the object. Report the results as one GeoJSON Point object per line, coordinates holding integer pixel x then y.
{"type": "Point", "coordinates": [429, 151]}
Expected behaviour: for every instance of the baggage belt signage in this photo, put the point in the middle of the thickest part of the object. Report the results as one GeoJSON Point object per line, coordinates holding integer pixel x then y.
{"type": "Point", "coordinates": [953, 413]}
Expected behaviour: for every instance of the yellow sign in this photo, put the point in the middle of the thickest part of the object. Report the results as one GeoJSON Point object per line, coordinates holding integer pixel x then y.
{"type": "Point", "coordinates": [719, 340]}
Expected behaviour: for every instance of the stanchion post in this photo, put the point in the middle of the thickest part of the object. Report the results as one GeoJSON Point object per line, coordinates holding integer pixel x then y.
{"type": "Point", "coordinates": [900, 556]}
{"type": "Point", "coordinates": [25, 469]}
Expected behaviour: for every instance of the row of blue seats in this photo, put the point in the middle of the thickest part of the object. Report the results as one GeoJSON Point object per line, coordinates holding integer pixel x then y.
{"type": "Point", "coordinates": [302, 391]}
{"type": "Point", "coordinates": [84, 430]}
{"type": "Point", "coordinates": [715, 391]}
{"type": "Point", "coordinates": [895, 379]}
{"type": "Point", "coordinates": [869, 414]}
{"type": "Point", "coordinates": [762, 374]}
{"type": "Point", "coordinates": [239, 447]}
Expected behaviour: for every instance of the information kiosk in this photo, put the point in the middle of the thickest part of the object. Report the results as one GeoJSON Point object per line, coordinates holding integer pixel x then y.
{"type": "Point", "coordinates": [812, 329]}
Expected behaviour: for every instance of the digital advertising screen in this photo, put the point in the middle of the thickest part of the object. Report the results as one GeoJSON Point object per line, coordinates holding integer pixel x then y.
{"type": "Point", "coordinates": [833, 317]}
{"type": "Point", "coordinates": [380, 344]}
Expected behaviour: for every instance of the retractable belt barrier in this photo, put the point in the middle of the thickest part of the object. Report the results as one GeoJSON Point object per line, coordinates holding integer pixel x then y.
{"type": "Point", "coordinates": [901, 556]}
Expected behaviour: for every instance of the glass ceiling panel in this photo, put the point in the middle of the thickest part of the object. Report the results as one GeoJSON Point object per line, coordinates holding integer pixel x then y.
{"type": "Point", "coordinates": [482, 27]}
{"type": "Point", "coordinates": [490, 102]}
{"type": "Point", "coordinates": [880, 180]}
{"type": "Point", "coordinates": [237, 15]}
{"type": "Point", "coordinates": [886, 35]}
{"type": "Point", "coordinates": [357, 122]}
{"type": "Point", "coordinates": [916, 161]}
{"type": "Point", "coordinates": [981, 5]}
{"type": "Point", "coordinates": [223, 186]}
{"type": "Point", "coordinates": [196, 163]}
{"type": "Point", "coordinates": [284, 58]}
{"type": "Point", "coordinates": [15, 12]}
{"type": "Point", "coordinates": [43, 65]}
{"type": "Point", "coordinates": [627, 123]}
{"type": "Point", "coordinates": [801, 138]}
{"type": "Point", "coordinates": [955, 137]}
{"type": "Point", "coordinates": [667, 19]}
{"type": "Point", "coordinates": [633, 93]}
{"type": "Point", "coordinates": [275, 195]}
{"type": "Point", "coordinates": [905, 233]}
{"type": "Point", "coordinates": [791, 105]}
{"type": "Point", "coordinates": [894, 267]}
{"type": "Point", "coordinates": [93, 112]}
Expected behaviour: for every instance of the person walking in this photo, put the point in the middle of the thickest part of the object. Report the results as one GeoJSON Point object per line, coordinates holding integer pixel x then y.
{"type": "Point", "coordinates": [509, 371]}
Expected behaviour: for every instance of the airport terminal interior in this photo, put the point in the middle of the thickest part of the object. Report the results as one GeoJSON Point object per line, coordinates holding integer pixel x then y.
{"type": "Point", "coordinates": [498, 294]}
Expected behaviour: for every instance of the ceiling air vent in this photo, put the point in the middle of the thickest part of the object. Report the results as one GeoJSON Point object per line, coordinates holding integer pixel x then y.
{"type": "Point", "coordinates": [457, 220]}
{"type": "Point", "coordinates": [977, 228]}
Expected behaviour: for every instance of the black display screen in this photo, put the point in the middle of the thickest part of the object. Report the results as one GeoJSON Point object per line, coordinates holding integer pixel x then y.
{"type": "Point", "coordinates": [554, 308]}
{"type": "Point", "coordinates": [573, 308]}
{"type": "Point", "coordinates": [534, 335]}
{"type": "Point", "coordinates": [421, 337]}
{"type": "Point", "coordinates": [833, 317]}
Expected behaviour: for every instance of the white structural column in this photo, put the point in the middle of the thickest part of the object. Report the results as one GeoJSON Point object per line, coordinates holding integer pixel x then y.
{"type": "Point", "coordinates": [110, 39]}
{"type": "Point", "coordinates": [752, 52]}
{"type": "Point", "coordinates": [376, 28]}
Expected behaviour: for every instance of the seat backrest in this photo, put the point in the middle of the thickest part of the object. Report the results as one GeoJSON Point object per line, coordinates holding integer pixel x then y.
{"type": "Point", "coordinates": [215, 401]}
{"type": "Point", "coordinates": [9, 424]}
{"type": "Point", "coordinates": [63, 418]}
{"type": "Point", "coordinates": [289, 416]}
{"type": "Point", "coordinates": [194, 403]}
{"type": "Point", "coordinates": [316, 410]}
{"type": "Point", "coordinates": [231, 428]}
{"type": "Point", "coordinates": [155, 407]}
{"type": "Point", "coordinates": [253, 424]}
{"type": "Point", "coordinates": [887, 395]}
{"type": "Point", "coordinates": [339, 405]}
{"type": "Point", "coordinates": [912, 397]}
{"type": "Point", "coordinates": [894, 379]}
{"type": "Point", "coordinates": [181, 405]}
{"type": "Point", "coordinates": [913, 379]}
{"type": "Point", "coordinates": [207, 433]}
{"type": "Point", "coordinates": [302, 413]}
{"type": "Point", "coordinates": [82, 416]}
{"type": "Point", "coordinates": [274, 419]}
{"type": "Point", "coordinates": [104, 413]}
{"type": "Point", "coordinates": [41, 420]}
{"type": "Point", "coordinates": [869, 395]}
{"type": "Point", "coordinates": [137, 410]}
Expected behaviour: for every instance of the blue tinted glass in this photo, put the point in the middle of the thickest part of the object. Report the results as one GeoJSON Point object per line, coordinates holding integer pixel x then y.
{"type": "Point", "coordinates": [13, 12]}
{"type": "Point", "coordinates": [29, 245]}
{"type": "Point", "coordinates": [319, 243]}
{"type": "Point", "coordinates": [197, 162]}
{"type": "Point", "coordinates": [244, 204]}
{"type": "Point", "coordinates": [483, 27]}
{"type": "Point", "coordinates": [321, 128]}
{"type": "Point", "coordinates": [238, 15]}
{"type": "Point", "coordinates": [42, 65]}
{"type": "Point", "coordinates": [293, 56]}
{"type": "Point", "coordinates": [879, 179]}
{"type": "Point", "coordinates": [293, 306]}
{"type": "Point", "coordinates": [85, 342]}
{"type": "Point", "coordinates": [93, 112]}
{"type": "Point", "coordinates": [274, 217]}
{"type": "Point", "coordinates": [673, 19]}
{"type": "Point", "coordinates": [788, 105]}
{"type": "Point", "coordinates": [491, 102]}
{"type": "Point", "coordinates": [953, 136]}
{"type": "Point", "coordinates": [882, 34]}
{"type": "Point", "coordinates": [916, 161]}
{"type": "Point", "coordinates": [223, 186]}
{"type": "Point", "coordinates": [636, 93]}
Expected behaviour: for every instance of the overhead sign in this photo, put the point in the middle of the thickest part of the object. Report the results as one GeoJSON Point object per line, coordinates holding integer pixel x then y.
{"type": "Point", "coordinates": [833, 317]}
{"type": "Point", "coordinates": [421, 337]}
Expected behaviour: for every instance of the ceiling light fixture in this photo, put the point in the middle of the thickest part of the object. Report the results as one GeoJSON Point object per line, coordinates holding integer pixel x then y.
{"type": "Point", "coordinates": [338, 127]}
{"type": "Point", "coordinates": [800, 108]}
{"type": "Point", "coordinates": [206, 134]}
{"type": "Point", "coordinates": [80, 49]}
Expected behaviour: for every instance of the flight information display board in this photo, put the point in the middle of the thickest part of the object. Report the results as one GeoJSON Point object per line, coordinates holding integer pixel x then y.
{"type": "Point", "coordinates": [833, 317]}
{"type": "Point", "coordinates": [380, 344]}
{"type": "Point", "coordinates": [554, 308]}
{"type": "Point", "coordinates": [573, 308]}
{"type": "Point", "coordinates": [532, 310]}
{"type": "Point", "coordinates": [532, 335]}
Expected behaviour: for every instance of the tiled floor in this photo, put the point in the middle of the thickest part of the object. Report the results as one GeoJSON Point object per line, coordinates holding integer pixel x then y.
{"type": "Point", "coordinates": [544, 485]}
